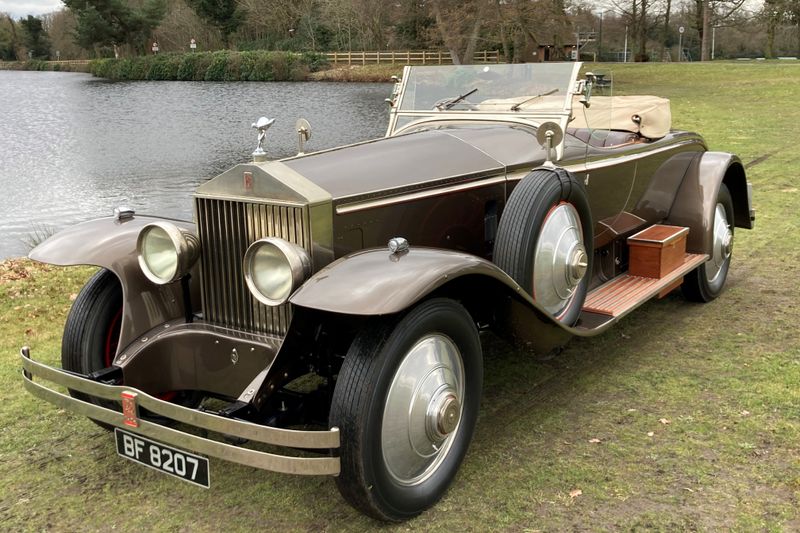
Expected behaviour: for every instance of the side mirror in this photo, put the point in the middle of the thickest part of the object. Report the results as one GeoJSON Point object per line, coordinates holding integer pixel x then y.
{"type": "Point", "coordinates": [549, 135]}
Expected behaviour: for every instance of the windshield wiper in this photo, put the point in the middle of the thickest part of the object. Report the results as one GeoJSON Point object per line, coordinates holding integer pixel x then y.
{"type": "Point", "coordinates": [516, 106]}
{"type": "Point", "coordinates": [454, 101]}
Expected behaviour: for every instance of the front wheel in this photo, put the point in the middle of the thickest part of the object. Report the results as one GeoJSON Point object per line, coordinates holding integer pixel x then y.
{"type": "Point", "coordinates": [706, 282]}
{"type": "Point", "coordinates": [406, 403]}
{"type": "Point", "coordinates": [91, 333]}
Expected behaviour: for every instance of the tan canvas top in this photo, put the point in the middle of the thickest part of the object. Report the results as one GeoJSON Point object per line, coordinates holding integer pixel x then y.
{"type": "Point", "coordinates": [620, 112]}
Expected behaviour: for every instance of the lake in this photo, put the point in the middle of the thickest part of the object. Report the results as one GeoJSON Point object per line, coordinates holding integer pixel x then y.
{"type": "Point", "coordinates": [73, 147]}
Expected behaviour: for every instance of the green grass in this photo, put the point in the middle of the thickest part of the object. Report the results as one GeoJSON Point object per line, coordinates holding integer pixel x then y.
{"type": "Point", "coordinates": [725, 375]}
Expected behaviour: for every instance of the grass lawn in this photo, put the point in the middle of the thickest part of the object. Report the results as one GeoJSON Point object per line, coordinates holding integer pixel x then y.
{"type": "Point", "coordinates": [682, 417]}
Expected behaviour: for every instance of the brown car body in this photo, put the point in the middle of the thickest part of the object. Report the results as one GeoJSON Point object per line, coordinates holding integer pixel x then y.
{"type": "Point", "coordinates": [443, 185]}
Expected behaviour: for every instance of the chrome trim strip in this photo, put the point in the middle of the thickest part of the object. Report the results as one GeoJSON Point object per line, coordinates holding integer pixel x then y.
{"type": "Point", "coordinates": [280, 437]}
{"type": "Point", "coordinates": [353, 207]}
{"type": "Point", "coordinates": [250, 200]}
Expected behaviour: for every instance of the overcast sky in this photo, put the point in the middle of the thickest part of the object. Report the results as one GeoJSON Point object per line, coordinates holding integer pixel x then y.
{"type": "Point", "coordinates": [22, 8]}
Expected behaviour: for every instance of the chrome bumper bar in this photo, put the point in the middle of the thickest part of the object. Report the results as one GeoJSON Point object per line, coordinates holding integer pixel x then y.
{"type": "Point", "coordinates": [268, 461]}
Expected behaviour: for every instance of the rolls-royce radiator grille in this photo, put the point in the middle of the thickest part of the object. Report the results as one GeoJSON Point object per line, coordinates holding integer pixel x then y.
{"type": "Point", "coordinates": [226, 229]}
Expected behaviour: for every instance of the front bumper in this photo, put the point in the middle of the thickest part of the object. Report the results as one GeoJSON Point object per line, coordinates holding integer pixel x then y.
{"type": "Point", "coordinates": [289, 438]}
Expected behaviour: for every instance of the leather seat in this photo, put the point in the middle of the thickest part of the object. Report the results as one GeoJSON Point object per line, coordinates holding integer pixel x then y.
{"type": "Point", "coordinates": [604, 138]}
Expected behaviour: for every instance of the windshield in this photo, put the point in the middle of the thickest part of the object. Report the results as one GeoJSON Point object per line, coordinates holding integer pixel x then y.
{"type": "Point", "coordinates": [489, 88]}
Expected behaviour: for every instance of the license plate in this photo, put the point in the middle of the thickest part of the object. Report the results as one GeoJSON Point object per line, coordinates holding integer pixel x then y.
{"type": "Point", "coordinates": [178, 463]}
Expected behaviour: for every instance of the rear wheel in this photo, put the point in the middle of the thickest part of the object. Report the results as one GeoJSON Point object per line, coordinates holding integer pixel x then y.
{"type": "Point", "coordinates": [406, 402]}
{"type": "Point", "coordinates": [706, 282]}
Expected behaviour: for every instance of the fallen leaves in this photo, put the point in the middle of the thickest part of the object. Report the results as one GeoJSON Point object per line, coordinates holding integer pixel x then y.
{"type": "Point", "coordinates": [574, 493]}
{"type": "Point", "coordinates": [15, 270]}
{"type": "Point", "coordinates": [594, 441]}
{"type": "Point", "coordinates": [664, 421]}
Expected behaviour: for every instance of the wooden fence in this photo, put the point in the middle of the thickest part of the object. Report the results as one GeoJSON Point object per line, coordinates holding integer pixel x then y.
{"type": "Point", "coordinates": [423, 57]}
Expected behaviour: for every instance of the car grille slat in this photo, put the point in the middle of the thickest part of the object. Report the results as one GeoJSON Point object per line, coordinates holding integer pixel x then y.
{"type": "Point", "coordinates": [226, 228]}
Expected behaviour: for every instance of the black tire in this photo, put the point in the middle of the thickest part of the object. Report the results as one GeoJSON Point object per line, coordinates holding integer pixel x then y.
{"type": "Point", "coordinates": [697, 286]}
{"type": "Point", "coordinates": [92, 330]}
{"type": "Point", "coordinates": [361, 397]}
{"type": "Point", "coordinates": [519, 231]}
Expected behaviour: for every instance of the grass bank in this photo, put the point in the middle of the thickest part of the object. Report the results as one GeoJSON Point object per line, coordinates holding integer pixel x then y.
{"type": "Point", "coordinates": [212, 66]}
{"type": "Point", "coordinates": [682, 417]}
{"type": "Point", "coordinates": [41, 65]}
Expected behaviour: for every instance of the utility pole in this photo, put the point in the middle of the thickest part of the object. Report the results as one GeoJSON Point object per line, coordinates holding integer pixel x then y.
{"type": "Point", "coordinates": [625, 58]}
{"type": "Point", "coordinates": [600, 38]}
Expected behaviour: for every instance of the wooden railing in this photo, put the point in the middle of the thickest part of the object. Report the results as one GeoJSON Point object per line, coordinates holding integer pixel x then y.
{"type": "Point", "coordinates": [407, 57]}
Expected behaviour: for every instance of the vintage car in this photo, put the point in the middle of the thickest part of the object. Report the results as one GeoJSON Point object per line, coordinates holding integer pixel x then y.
{"type": "Point", "coordinates": [322, 314]}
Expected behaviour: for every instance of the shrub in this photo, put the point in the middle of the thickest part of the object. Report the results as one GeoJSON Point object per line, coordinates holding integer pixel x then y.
{"type": "Point", "coordinates": [216, 70]}
{"type": "Point", "coordinates": [255, 65]}
{"type": "Point", "coordinates": [186, 69]}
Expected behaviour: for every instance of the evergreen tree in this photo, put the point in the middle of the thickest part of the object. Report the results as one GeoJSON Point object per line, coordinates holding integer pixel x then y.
{"type": "Point", "coordinates": [225, 15]}
{"type": "Point", "coordinates": [35, 37]}
{"type": "Point", "coordinates": [115, 22]}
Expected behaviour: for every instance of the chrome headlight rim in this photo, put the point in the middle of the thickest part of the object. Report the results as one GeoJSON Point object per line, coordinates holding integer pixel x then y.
{"type": "Point", "coordinates": [296, 258]}
{"type": "Point", "coordinates": [186, 246]}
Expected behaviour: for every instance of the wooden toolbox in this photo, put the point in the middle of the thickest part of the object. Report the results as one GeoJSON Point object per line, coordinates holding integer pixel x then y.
{"type": "Point", "coordinates": [657, 251]}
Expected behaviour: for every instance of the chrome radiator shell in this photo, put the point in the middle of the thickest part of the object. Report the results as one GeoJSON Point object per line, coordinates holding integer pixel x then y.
{"type": "Point", "coordinates": [226, 228]}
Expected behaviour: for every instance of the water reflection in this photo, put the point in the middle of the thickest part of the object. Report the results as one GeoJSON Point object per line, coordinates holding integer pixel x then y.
{"type": "Point", "coordinates": [73, 147]}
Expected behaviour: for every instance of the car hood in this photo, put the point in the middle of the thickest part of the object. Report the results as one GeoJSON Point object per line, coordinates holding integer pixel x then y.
{"type": "Point", "coordinates": [414, 160]}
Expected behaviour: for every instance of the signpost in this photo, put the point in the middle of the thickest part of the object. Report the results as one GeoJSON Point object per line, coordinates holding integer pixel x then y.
{"type": "Point", "coordinates": [154, 48]}
{"type": "Point", "coordinates": [193, 45]}
{"type": "Point", "coordinates": [680, 41]}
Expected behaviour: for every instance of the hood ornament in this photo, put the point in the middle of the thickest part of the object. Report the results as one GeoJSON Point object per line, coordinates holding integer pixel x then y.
{"type": "Point", "coordinates": [262, 125]}
{"type": "Point", "coordinates": [303, 134]}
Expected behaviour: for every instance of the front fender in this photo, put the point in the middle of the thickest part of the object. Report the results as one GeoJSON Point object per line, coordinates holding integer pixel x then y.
{"type": "Point", "coordinates": [377, 282]}
{"type": "Point", "coordinates": [111, 243]}
{"type": "Point", "coordinates": [696, 198]}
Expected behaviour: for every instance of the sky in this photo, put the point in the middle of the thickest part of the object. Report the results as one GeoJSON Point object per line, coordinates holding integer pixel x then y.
{"type": "Point", "coordinates": [22, 8]}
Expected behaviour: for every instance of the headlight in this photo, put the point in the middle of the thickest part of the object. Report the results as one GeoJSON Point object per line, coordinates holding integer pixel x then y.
{"type": "Point", "coordinates": [166, 252]}
{"type": "Point", "coordinates": [274, 268]}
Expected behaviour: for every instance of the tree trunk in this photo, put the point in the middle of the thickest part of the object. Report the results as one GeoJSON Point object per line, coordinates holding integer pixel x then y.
{"type": "Point", "coordinates": [443, 33]}
{"type": "Point", "coordinates": [643, 32]}
{"type": "Point", "coordinates": [665, 35]}
{"type": "Point", "coordinates": [506, 47]}
{"type": "Point", "coordinates": [769, 53]}
{"type": "Point", "coordinates": [698, 17]}
{"type": "Point", "coordinates": [472, 43]}
{"type": "Point", "coordinates": [704, 44]}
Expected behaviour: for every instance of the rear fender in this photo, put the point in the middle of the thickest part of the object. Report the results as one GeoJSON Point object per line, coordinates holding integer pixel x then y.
{"type": "Point", "coordinates": [111, 243]}
{"type": "Point", "coordinates": [696, 198]}
{"type": "Point", "coordinates": [377, 282]}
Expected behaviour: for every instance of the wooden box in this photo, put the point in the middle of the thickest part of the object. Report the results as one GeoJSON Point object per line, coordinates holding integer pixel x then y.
{"type": "Point", "coordinates": [657, 250]}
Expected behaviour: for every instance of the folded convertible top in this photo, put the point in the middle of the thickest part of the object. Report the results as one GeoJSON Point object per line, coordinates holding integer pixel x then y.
{"type": "Point", "coordinates": [648, 116]}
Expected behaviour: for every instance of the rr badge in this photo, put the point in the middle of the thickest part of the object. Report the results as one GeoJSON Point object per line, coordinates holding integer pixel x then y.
{"type": "Point", "coordinates": [247, 178]}
{"type": "Point", "coordinates": [130, 410]}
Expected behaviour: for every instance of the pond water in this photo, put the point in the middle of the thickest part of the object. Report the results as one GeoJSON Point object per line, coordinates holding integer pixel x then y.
{"type": "Point", "coordinates": [73, 147]}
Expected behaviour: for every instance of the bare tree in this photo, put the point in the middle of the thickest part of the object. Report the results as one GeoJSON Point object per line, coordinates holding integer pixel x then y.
{"type": "Point", "coordinates": [459, 25]}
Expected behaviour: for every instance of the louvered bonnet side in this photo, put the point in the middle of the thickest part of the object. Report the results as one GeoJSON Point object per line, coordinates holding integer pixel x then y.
{"type": "Point", "coordinates": [238, 208]}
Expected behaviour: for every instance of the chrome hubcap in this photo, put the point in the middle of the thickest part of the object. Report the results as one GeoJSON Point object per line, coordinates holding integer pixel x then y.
{"type": "Point", "coordinates": [560, 259]}
{"type": "Point", "coordinates": [722, 247]}
{"type": "Point", "coordinates": [423, 409]}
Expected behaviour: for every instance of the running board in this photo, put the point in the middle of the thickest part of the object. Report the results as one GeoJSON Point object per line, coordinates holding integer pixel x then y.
{"type": "Point", "coordinates": [623, 294]}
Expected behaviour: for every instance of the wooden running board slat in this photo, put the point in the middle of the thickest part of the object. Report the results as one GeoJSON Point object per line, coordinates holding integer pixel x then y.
{"type": "Point", "coordinates": [624, 293]}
